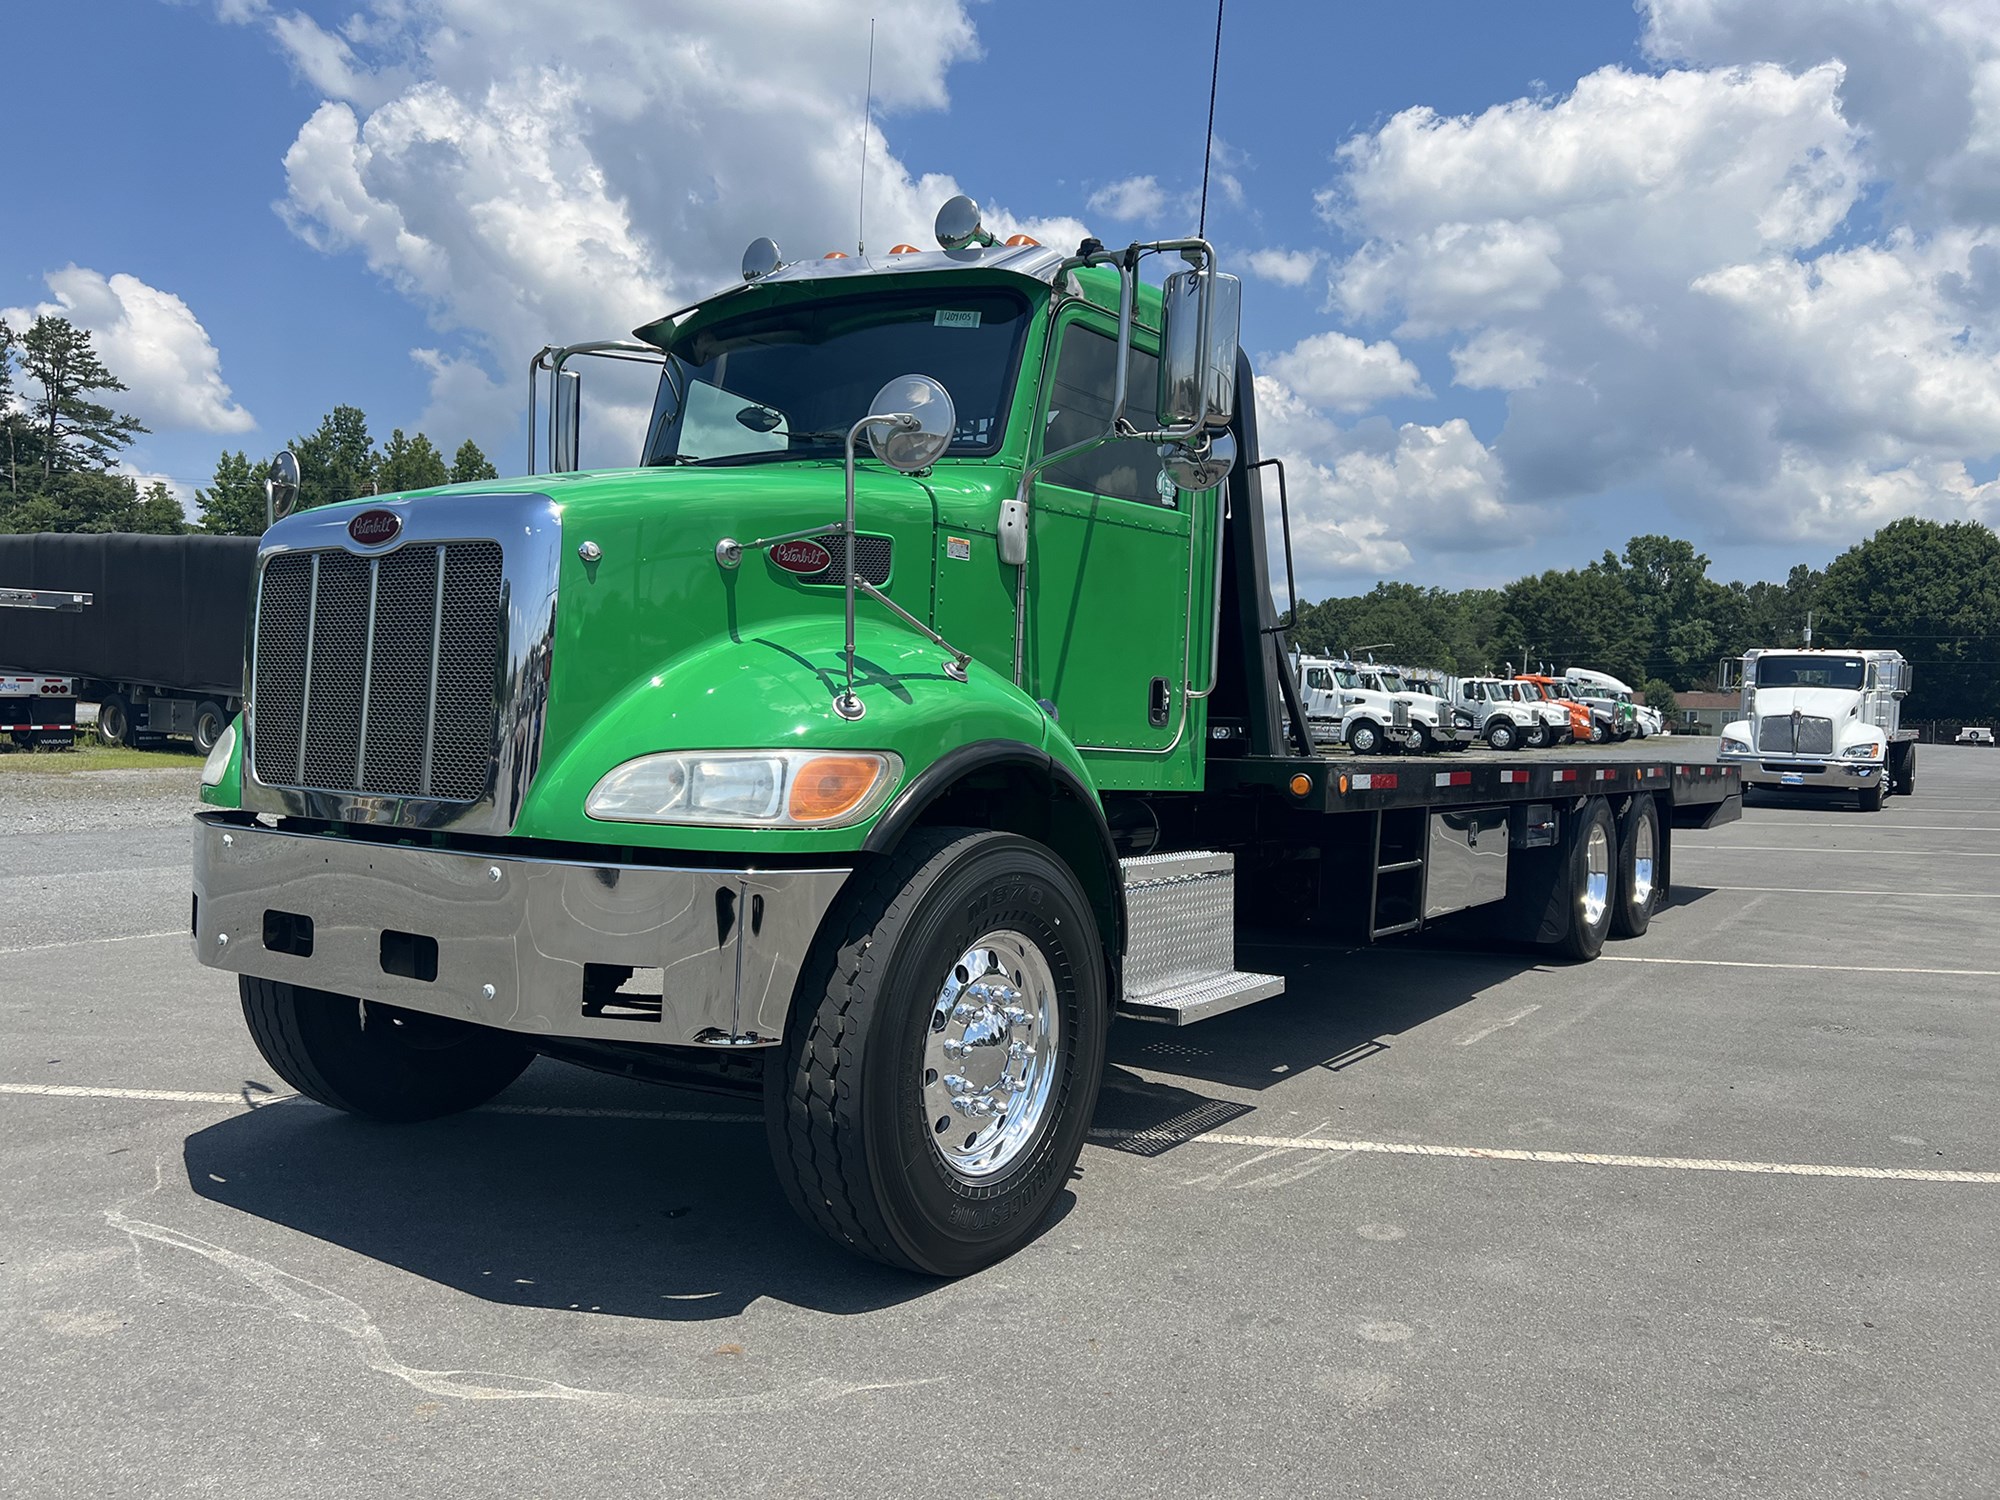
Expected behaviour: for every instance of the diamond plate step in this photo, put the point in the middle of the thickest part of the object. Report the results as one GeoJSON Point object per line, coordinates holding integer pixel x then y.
{"type": "Point", "coordinates": [1211, 997]}
{"type": "Point", "coordinates": [1180, 952]}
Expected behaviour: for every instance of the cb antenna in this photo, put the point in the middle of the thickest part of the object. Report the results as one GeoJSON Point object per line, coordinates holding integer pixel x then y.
{"type": "Point", "coordinates": [867, 114]}
{"type": "Point", "coordinates": [1208, 149]}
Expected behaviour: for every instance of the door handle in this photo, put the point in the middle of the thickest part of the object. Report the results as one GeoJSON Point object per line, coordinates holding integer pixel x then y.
{"type": "Point", "coordinates": [1159, 703]}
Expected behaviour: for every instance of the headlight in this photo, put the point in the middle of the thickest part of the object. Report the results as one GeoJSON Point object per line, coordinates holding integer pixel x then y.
{"type": "Point", "coordinates": [217, 765]}
{"type": "Point", "coordinates": [747, 788]}
{"type": "Point", "coordinates": [1463, 719]}
{"type": "Point", "coordinates": [1734, 746]}
{"type": "Point", "coordinates": [1870, 751]}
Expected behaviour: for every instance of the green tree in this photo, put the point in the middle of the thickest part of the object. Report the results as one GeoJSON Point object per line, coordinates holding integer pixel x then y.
{"type": "Point", "coordinates": [233, 503]}
{"type": "Point", "coordinates": [409, 464]}
{"type": "Point", "coordinates": [337, 462]}
{"type": "Point", "coordinates": [77, 501]}
{"type": "Point", "coordinates": [1573, 618]}
{"type": "Point", "coordinates": [76, 432]}
{"type": "Point", "coordinates": [1658, 695]}
{"type": "Point", "coordinates": [159, 512]}
{"type": "Point", "coordinates": [1931, 591]}
{"type": "Point", "coordinates": [470, 465]}
{"type": "Point", "coordinates": [11, 416]}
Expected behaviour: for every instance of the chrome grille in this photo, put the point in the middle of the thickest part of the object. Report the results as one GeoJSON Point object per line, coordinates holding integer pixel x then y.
{"type": "Point", "coordinates": [872, 557]}
{"type": "Point", "coordinates": [378, 675]}
{"type": "Point", "coordinates": [1774, 735]}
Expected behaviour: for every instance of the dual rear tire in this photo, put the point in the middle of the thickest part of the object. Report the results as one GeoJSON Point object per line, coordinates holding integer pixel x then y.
{"type": "Point", "coordinates": [1615, 875]}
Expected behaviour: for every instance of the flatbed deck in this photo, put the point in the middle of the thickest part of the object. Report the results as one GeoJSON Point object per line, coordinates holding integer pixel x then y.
{"type": "Point", "coordinates": [1685, 768]}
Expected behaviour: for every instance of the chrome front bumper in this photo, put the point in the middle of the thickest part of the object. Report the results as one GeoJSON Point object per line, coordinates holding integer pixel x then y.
{"type": "Point", "coordinates": [528, 945]}
{"type": "Point", "coordinates": [1810, 775]}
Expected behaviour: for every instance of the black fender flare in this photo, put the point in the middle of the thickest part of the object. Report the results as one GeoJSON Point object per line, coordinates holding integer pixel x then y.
{"type": "Point", "coordinates": [906, 811]}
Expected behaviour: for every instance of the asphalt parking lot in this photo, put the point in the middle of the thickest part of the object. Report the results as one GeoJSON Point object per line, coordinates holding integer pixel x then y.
{"type": "Point", "coordinates": [1717, 1215]}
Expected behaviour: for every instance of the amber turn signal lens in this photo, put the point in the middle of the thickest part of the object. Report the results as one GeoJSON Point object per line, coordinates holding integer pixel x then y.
{"type": "Point", "coordinates": [1301, 785]}
{"type": "Point", "coordinates": [829, 785]}
{"type": "Point", "coordinates": [1022, 239]}
{"type": "Point", "coordinates": [903, 250]}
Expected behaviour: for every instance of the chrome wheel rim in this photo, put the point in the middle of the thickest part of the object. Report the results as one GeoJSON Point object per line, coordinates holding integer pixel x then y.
{"type": "Point", "coordinates": [1364, 738]}
{"type": "Point", "coordinates": [1642, 865]}
{"type": "Point", "coordinates": [990, 1055]}
{"type": "Point", "coordinates": [1597, 875]}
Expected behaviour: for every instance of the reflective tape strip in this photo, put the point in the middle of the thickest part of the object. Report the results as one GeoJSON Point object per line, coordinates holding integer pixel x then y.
{"type": "Point", "coordinates": [1374, 781]}
{"type": "Point", "coordinates": [1454, 778]}
{"type": "Point", "coordinates": [1513, 778]}
{"type": "Point", "coordinates": [1565, 776]}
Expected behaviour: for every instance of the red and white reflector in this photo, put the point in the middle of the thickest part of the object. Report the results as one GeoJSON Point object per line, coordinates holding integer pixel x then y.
{"type": "Point", "coordinates": [1564, 776]}
{"type": "Point", "coordinates": [1513, 778]}
{"type": "Point", "coordinates": [1373, 781]}
{"type": "Point", "coordinates": [1454, 778]}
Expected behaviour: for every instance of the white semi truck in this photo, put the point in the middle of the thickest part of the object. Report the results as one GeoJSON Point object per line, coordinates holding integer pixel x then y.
{"type": "Point", "coordinates": [1370, 708]}
{"type": "Point", "coordinates": [1826, 721]}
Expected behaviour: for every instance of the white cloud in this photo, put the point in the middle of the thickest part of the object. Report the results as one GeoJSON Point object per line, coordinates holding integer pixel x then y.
{"type": "Point", "coordinates": [152, 341]}
{"type": "Point", "coordinates": [1131, 198]}
{"type": "Point", "coordinates": [145, 479]}
{"type": "Point", "coordinates": [1286, 267]}
{"type": "Point", "coordinates": [1667, 276]}
{"type": "Point", "coordinates": [1338, 372]}
{"type": "Point", "coordinates": [1498, 359]}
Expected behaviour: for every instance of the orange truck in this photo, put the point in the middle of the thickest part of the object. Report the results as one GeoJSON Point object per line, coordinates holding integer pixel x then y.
{"type": "Point", "coordinates": [1554, 690]}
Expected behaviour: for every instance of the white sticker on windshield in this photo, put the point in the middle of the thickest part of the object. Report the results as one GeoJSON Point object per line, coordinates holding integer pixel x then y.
{"type": "Point", "coordinates": [948, 319]}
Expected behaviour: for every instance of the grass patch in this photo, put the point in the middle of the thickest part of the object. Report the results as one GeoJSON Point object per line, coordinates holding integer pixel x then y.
{"type": "Point", "coordinates": [91, 754]}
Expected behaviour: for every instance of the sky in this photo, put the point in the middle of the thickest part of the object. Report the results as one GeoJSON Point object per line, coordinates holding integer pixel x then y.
{"type": "Point", "coordinates": [1521, 280]}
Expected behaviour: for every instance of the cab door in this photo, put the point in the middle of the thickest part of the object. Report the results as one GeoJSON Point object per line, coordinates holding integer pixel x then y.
{"type": "Point", "coordinates": [1109, 592]}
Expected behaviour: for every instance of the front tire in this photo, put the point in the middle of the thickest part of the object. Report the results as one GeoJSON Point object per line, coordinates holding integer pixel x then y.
{"type": "Point", "coordinates": [377, 1061]}
{"type": "Point", "coordinates": [1364, 738]}
{"type": "Point", "coordinates": [1537, 738]}
{"type": "Point", "coordinates": [1870, 797]}
{"type": "Point", "coordinates": [944, 1054]}
{"type": "Point", "coordinates": [1502, 735]}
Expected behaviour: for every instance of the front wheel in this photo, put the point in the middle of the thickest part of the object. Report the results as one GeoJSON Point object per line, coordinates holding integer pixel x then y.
{"type": "Point", "coordinates": [1871, 797]}
{"type": "Point", "coordinates": [944, 1053]}
{"type": "Point", "coordinates": [1364, 738]}
{"type": "Point", "coordinates": [1537, 737]}
{"type": "Point", "coordinates": [1596, 733]}
{"type": "Point", "coordinates": [1501, 735]}
{"type": "Point", "coordinates": [377, 1061]}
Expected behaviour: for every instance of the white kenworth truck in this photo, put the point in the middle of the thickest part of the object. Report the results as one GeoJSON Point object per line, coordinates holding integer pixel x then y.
{"type": "Point", "coordinates": [1369, 708]}
{"type": "Point", "coordinates": [1825, 721]}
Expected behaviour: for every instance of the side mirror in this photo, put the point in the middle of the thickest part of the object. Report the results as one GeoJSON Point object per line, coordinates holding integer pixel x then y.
{"type": "Point", "coordinates": [566, 419]}
{"type": "Point", "coordinates": [281, 487]}
{"type": "Point", "coordinates": [1197, 377]}
{"type": "Point", "coordinates": [1201, 465]}
{"type": "Point", "coordinates": [927, 421]}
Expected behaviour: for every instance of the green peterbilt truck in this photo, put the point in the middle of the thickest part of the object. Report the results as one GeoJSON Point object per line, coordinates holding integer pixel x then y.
{"type": "Point", "coordinates": [915, 707]}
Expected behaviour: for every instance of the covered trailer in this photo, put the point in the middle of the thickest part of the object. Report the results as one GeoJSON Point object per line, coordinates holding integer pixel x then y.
{"type": "Point", "coordinates": [159, 649]}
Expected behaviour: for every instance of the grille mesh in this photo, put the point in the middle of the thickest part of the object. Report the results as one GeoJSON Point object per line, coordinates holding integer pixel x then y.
{"type": "Point", "coordinates": [1774, 735]}
{"type": "Point", "coordinates": [872, 557]}
{"type": "Point", "coordinates": [420, 633]}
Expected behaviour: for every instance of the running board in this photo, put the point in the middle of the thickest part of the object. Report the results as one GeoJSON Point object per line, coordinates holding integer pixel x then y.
{"type": "Point", "coordinates": [1180, 949]}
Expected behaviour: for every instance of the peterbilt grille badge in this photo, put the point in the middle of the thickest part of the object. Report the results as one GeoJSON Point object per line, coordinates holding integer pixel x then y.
{"type": "Point", "coordinates": [802, 557]}
{"type": "Point", "coordinates": [374, 527]}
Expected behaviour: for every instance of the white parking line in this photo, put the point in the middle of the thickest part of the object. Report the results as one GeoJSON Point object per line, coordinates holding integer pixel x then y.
{"type": "Point", "coordinates": [1813, 890]}
{"type": "Point", "coordinates": [1742, 963]}
{"type": "Point", "coordinates": [1203, 1138]}
{"type": "Point", "coordinates": [1485, 1031]}
{"type": "Point", "coordinates": [130, 937]}
{"type": "Point", "coordinates": [1705, 847]}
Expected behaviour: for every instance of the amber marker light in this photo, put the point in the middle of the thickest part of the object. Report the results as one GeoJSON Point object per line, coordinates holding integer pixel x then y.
{"type": "Point", "coordinates": [834, 255]}
{"type": "Point", "coordinates": [1022, 239]}
{"type": "Point", "coordinates": [1343, 783]}
{"type": "Point", "coordinates": [1301, 785]}
{"type": "Point", "coordinates": [829, 786]}
{"type": "Point", "coordinates": [903, 250]}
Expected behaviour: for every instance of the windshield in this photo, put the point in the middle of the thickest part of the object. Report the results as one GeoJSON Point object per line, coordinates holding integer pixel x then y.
{"type": "Point", "coordinates": [789, 381]}
{"type": "Point", "coordinates": [1391, 683]}
{"type": "Point", "coordinates": [1810, 671]}
{"type": "Point", "coordinates": [1532, 691]}
{"type": "Point", "coordinates": [1346, 678]}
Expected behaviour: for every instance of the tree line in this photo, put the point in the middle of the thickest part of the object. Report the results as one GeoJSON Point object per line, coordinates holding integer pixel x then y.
{"type": "Point", "coordinates": [60, 443]}
{"type": "Point", "coordinates": [1654, 617]}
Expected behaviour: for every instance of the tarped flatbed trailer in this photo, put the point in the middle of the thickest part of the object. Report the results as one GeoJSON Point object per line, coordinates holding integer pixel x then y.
{"type": "Point", "coordinates": [159, 647]}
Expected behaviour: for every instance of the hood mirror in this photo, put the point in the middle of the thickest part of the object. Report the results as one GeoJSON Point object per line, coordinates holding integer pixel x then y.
{"type": "Point", "coordinates": [762, 258]}
{"type": "Point", "coordinates": [281, 487]}
{"type": "Point", "coordinates": [958, 225]}
{"type": "Point", "coordinates": [1199, 468]}
{"type": "Point", "coordinates": [928, 423]}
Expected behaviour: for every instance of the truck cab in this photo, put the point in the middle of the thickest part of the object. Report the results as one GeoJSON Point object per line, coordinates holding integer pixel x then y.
{"type": "Point", "coordinates": [1370, 708]}
{"type": "Point", "coordinates": [1824, 721]}
{"type": "Point", "coordinates": [1501, 715]}
{"type": "Point", "coordinates": [1608, 698]}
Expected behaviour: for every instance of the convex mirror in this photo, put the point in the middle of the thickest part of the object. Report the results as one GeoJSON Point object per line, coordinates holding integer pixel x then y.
{"type": "Point", "coordinates": [1198, 385]}
{"type": "Point", "coordinates": [919, 441]}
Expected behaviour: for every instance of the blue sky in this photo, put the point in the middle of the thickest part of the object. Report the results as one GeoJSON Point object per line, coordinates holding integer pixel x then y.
{"type": "Point", "coordinates": [1727, 289]}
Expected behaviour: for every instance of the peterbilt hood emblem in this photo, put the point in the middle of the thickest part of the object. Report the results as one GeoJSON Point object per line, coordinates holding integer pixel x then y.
{"type": "Point", "coordinates": [374, 527]}
{"type": "Point", "coordinates": [802, 557]}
